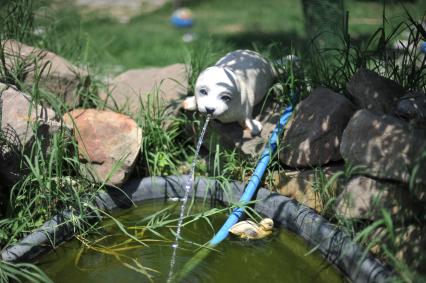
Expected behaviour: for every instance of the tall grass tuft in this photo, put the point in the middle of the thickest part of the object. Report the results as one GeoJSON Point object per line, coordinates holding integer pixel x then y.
{"type": "Point", "coordinates": [333, 67]}
{"type": "Point", "coordinates": [163, 141]}
{"type": "Point", "coordinates": [17, 20]}
{"type": "Point", "coordinates": [21, 272]}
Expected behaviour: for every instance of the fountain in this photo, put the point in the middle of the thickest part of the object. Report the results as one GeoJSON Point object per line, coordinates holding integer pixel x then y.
{"type": "Point", "coordinates": [188, 187]}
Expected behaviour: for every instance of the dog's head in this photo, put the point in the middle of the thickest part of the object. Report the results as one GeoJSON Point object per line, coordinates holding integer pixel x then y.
{"type": "Point", "coordinates": [216, 90]}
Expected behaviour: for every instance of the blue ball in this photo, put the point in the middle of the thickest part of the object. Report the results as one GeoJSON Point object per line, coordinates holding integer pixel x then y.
{"type": "Point", "coordinates": [182, 18]}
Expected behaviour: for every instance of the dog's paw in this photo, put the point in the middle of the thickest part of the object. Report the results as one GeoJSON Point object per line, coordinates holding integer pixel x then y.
{"type": "Point", "coordinates": [254, 126]}
{"type": "Point", "coordinates": [189, 103]}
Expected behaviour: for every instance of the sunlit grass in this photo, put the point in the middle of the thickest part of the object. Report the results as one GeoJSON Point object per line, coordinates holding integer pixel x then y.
{"type": "Point", "coordinates": [150, 40]}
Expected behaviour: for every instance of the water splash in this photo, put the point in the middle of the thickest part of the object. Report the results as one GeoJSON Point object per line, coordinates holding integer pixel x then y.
{"type": "Point", "coordinates": [188, 187]}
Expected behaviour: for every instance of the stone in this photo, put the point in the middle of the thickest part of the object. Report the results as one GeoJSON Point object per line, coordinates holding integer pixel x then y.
{"type": "Point", "coordinates": [407, 242]}
{"type": "Point", "coordinates": [314, 134]}
{"type": "Point", "coordinates": [58, 76]}
{"type": "Point", "coordinates": [21, 122]}
{"type": "Point", "coordinates": [413, 107]}
{"type": "Point", "coordinates": [302, 186]}
{"type": "Point", "coordinates": [385, 146]}
{"type": "Point", "coordinates": [136, 90]}
{"type": "Point", "coordinates": [411, 247]}
{"type": "Point", "coordinates": [18, 109]}
{"type": "Point", "coordinates": [122, 10]}
{"type": "Point", "coordinates": [373, 92]}
{"type": "Point", "coordinates": [364, 198]}
{"type": "Point", "coordinates": [108, 142]}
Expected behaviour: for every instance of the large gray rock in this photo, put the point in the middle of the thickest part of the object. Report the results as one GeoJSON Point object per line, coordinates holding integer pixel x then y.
{"type": "Point", "coordinates": [314, 135]}
{"type": "Point", "coordinates": [373, 92]}
{"type": "Point", "coordinates": [364, 198]}
{"type": "Point", "coordinates": [412, 244]}
{"type": "Point", "coordinates": [407, 241]}
{"type": "Point", "coordinates": [21, 122]}
{"type": "Point", "coordinates": [137, 90]}
{"type": "Point", "coordinates": [108, 143]}
{"type": "Point", "coordinates": [413, 107]}
{"type": "Point", "coordinates": [385, 146]}
{"type": "Point", "coordinates": [58, 75]}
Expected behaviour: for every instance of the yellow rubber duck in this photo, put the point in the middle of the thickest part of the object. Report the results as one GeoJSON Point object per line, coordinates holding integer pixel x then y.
{"type": "Point", "coordinates": [249, 230]}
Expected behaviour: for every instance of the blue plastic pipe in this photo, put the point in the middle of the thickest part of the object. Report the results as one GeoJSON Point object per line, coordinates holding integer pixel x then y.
{"type": "Point", "coordinates": [248, 194]}
{"type": "Point", "coordinates": [255, 179]}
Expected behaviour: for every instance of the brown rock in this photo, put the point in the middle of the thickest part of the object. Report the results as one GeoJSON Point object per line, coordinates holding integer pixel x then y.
{"type": "Point", "coordinates": [302, 186]}
{"type": "Point", "coordinates": [109, 142]}
{"type": "Point", "coordinates": [385, 146]}
{"type": "Point", "coordinates": [135, 90]}
{"type": "Point", "coordinates": [373, 92]}
{"type": "Point", "coordinates": [21, 121]}
{"type": "Point", "coordinates": [314, 135]}
{"type": "Point", "coordinates": [18, 109]}
{"type": "Point", "coordinates": [57, 74]}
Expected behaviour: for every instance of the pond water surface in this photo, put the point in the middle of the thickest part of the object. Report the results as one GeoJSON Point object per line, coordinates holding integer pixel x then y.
{"type": "Point", "coordinates": [282, 257]}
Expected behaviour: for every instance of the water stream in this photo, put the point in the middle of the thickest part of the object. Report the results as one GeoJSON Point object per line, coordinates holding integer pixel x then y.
{"type": "Point", "coordinates": [188, 187]}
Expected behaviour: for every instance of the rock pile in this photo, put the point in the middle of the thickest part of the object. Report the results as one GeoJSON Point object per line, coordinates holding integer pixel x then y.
{"type": "Point", "coordinates": [109, 143]}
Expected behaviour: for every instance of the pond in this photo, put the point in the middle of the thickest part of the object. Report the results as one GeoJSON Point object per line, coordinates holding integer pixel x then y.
{"type": "Point", "coordinates": [112, 256]}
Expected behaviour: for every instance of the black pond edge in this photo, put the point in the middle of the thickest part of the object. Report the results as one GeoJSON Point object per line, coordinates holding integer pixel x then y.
{"type": "Point", "coordinates": [335, 245]}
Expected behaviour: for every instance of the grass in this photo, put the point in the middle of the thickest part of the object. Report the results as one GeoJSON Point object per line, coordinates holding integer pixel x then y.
{"type": "Point", "coordinates": [20, 272]}
{"type": "Point", "coordinates": [387, 235]}
{"type": "Point", "coordinates": [150, 40]}
{"type": "Point", "coordinates": [56, 180]}
{"type": "Point", "coordinates": [333, 67]}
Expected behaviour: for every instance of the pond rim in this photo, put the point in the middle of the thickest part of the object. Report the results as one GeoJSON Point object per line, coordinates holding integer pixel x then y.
{"type": "Point", "coordinates": [334, 245]}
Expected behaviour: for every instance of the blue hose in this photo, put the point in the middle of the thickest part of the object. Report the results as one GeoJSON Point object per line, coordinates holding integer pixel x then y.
{"type": "Point", "coordinates": [248, 194]}
{"type": "Point", "coordinates": [255, 178]}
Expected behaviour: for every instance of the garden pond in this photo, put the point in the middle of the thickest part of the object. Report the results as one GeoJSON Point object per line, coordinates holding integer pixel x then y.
{"type": "Point", "coordinates": [113, 256]}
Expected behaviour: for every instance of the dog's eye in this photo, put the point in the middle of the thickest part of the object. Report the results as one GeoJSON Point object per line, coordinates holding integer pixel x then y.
{"type": "Point", "coordinates": [203, 91]}
{"type": "Point", "coordinates": [226, 98]}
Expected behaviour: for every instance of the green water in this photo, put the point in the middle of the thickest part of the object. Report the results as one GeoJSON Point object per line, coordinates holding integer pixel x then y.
{"type": "Point", "coordinates": [279, 258]}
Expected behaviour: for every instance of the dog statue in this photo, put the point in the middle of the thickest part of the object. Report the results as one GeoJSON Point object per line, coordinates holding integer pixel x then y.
{"type": "Point", "coordinates": [231, 88]}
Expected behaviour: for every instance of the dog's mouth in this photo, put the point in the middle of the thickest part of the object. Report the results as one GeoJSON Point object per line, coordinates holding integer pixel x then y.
{"type": "Point", "coordinates": [213, 114]}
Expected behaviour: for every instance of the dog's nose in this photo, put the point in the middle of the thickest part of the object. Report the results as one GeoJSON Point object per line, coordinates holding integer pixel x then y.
{"type": "Point", "coordinates": [210, 110]}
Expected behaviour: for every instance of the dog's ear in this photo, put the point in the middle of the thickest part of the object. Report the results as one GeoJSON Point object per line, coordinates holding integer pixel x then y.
{"type": "Point", "coordinates": [233, 78]}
